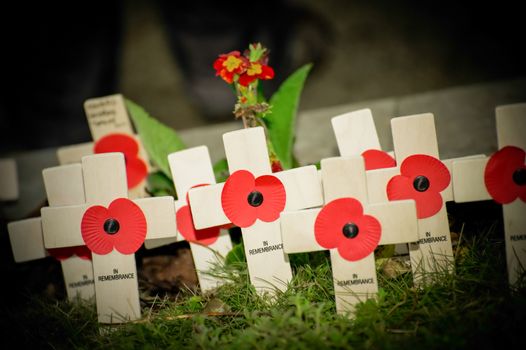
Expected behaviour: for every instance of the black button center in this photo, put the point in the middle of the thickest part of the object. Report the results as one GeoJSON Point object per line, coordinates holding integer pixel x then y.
{"type": "Point", "coordinates": [421, 183]}
{"type": "Point", "coordinates": [519, 176]}
{"type": "Point", "coordinates": [350, 230]}
{"type": "Point", "coordinates": [111, 226]}
{"type": "Point", "coordinates": [255, 198]}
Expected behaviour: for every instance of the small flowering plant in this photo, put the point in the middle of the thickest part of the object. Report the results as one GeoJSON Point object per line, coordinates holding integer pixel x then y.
{"type": "Point", "coordinates": [244, 72]}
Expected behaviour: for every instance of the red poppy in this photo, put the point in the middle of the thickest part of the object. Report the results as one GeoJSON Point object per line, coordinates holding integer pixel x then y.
{"type": "Point", "coordinates": [185, 225]}
{"type": "Point", "coordinates": [341, 224]}
{"type": "Point", "coordinates": [121, 226]}
{"type": "Point", "coordinates": [505, 175]}
{"type": "Point", "coordinates": [377, 159]}
{"type": "Point", "coordinates": [245, 198]}
{"type": "Point", "coordinates": [255, 70]}
{"type": "Point", "coordinates": [230, 64]}
{"type": "Point", "coordinates": [421, 178]}
{"type": "Point", "coordinates": [64, 253]}
{"type": "Point", "coordinates": [136, 169]}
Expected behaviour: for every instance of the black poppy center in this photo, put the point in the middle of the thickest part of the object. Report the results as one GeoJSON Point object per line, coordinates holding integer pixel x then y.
{"type": "Point", "coordinates": [111, 226]}
{"type": "Point", "coordinates": [255, 198]}
{"type": "Point", "coordinates": [519, 176]}
{"type": "Point", "coordinates": [421, 183]}
{"type": "Point", "coordinates": [350, 230]}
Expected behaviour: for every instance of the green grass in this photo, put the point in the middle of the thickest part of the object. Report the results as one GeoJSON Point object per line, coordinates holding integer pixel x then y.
{"type": "Point", "coordinates": [472, 308]}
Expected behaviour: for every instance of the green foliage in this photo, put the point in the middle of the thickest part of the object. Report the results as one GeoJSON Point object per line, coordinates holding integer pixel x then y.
{"type": "Point", "coordinates": [221, 170]}
{"type": "Point", "coordinates": [235, 255]}
{"type": "Point", "coordinates": [158, 184]}
{"type": "Point", "coordinates": [281, 121]}
{"type": "Point", "coordinates": [158, 139]}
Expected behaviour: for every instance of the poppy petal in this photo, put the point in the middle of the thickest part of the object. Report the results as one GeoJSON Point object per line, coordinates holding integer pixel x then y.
{"type": "Point", "coordinates": [117, 143]}
{"type": "Point", "coordinates": [67, 252]}
{"type": "Point", "coordinates": [185, 225]}
{"type": "Point", "coordinates": [498, 175]}
{"type": "Point", "coordinates": [136, 171]}
{"type": "Point", "coordinates": [430, 167]}
{"type": "Point", "coordinates": [92, 229]}
{"type": "Point", "coordinates": [361, 246]}
{"type": "Point", "coordinates": [234, 198]}
{"type": "Point", "coordinates": [377, 159]}
{"type": "Point", "coordinates": [132, 222]}
{"type": "Point", "coordinates": [274, 197]}
{"type": "Point", "coordinates": [332, 218]}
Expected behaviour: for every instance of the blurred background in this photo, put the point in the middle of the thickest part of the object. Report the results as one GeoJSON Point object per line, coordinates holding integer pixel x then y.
{"type": "Point", "coordinates": [160, 54]}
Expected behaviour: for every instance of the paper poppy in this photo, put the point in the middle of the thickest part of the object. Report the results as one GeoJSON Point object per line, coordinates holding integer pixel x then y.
{"type": "Point", "coordinates": [377, 159]}
{"type": "Point", "coordinates": [245, 198]}
{"type": "Point", "coordinates": [505, 175]}
{"type": "Point", "coordinates": [342, 224]}
{"type": "Point", "coordinates": [121, 226]}
{"type": "Point", "coordinates": [185, 225]}
{"type": "Point", "coordinates": [64, 253]}
{"type": "Point", "coordinates": [136, 169]}
{"type": "Point", "coordinates": [421, 178]}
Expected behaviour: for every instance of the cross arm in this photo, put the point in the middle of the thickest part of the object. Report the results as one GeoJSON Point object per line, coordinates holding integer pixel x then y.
{"type": "Point", "coordinates": [355, 132]}
{"type": "Point", "coordinates": [26, 239]}
{"type": "Point", "coordinates": [297, 231]}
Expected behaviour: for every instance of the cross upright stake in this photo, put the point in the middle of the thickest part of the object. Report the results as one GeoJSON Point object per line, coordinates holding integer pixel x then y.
{"type": "Point", "coordinates": [354, 276]}
{"type": "Point", "coordinates": [63, 187]}
{"type": "Point", "coordinates": [253, 198]}
{"type": "Point", "coordinates": [8, 180]}
{"type": "Point", "coordinates": [111, 130]}
{"type": "Point", "coordinates": [501, 177]}
{"type": "Point", "coordinates": [114, 228]}
{"type": "Point", "coordinates": [424, 178]}
{"type": "Point", "coordinates": [193, 167]}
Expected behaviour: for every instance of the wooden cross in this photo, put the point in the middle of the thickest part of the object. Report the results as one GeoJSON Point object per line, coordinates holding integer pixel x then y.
{"type": "Point", "coordinates": [26, 237]}
{"type": "Point", "coordinates": [246, 153]}
{"type": "Point", "coordinates": [470, 183]}
{"type": "Point", "coordinates": [106, 116]}
{"type": "Point", "coordinates": [110, 224]}
{"type": "Point", "coordinates": [416, 135]}
{"type": "Point", "coordinates": [193, 167]}
{"type": "Point", "coordinates": [8, 180]}
{"type": "Point", "coordinates": [354, 280]}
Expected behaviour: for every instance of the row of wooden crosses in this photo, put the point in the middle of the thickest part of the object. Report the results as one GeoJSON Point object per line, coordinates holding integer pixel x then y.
{"type": "Point", "coordinates": [99, 215]}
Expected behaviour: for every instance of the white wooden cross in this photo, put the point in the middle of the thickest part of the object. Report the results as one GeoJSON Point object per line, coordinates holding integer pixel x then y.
{"type": "Point", "coordinates": [469, 184]}
{"type": "Point", "coordinates": [8, 180]}
{"type": "Point", "coordinates": [416, 135]}
{"type": "Point", "coordinates": [115, 232]}
{"type": "Point", "coordinates": [26, 237]}
{"type": "Point", "coordinates": [354, 280]}
{"type": "Point", "coordinates": [193, 167]}
{"type": "Point", "coordinates": [246, 150]}
{"type": "Point", "coordinates": [355, 134]}
{"type": "Point", "coordinates": [106, 116]}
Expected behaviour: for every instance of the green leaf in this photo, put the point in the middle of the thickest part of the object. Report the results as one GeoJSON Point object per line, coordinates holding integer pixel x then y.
{"type": "Point", "coordinates": [281, 121]}
{"type": "Point", "coordinates": [158, 139]}
{"type": "Point", "coordinates": [236, 255]}
{"type": "Point", "coordinates": [158, 184]}
{"type": "Point", "coordinates": [221, 170]}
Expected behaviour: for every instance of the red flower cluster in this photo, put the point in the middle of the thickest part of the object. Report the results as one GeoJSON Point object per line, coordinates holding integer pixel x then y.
{"type": "Point", "coordinates": [245, 198]}
{"type": "Point", "coordinates": [234, 67]}
{"type": "Point", "coordinates": [136, 169]}
{"type": "Point", "coordinates": [505, 175]}
{"type": "Point", "coordinates": [342, 224]}
{"type": "Point", "coordinates": [421, 178]}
